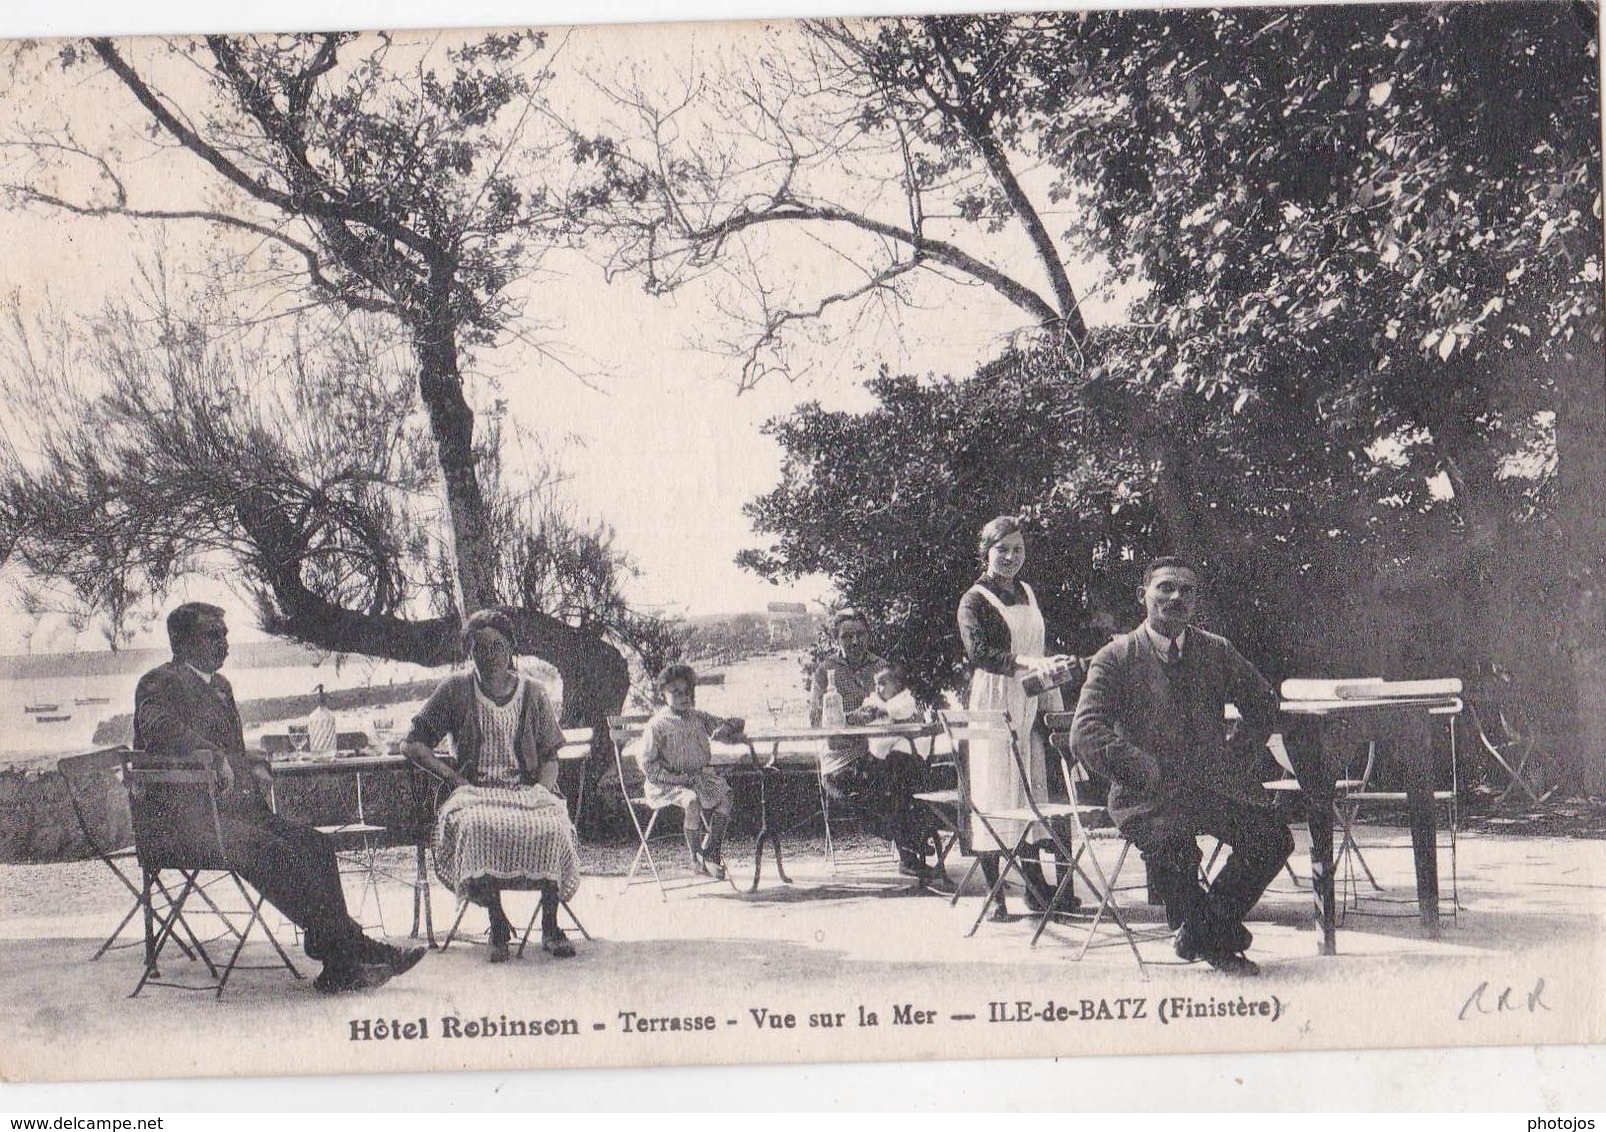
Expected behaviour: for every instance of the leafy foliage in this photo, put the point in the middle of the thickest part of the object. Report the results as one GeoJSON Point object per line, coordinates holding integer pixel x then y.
{"type": "Point", "coordinates": [1363, 247]}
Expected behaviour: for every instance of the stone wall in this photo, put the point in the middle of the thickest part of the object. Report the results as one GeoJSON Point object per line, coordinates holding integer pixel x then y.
{"type": "Point", "coordinates": [37, 824]}
{"type": "Point", "coordinates": [36, 817]}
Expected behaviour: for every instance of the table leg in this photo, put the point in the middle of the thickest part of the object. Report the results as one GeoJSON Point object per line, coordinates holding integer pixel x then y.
{"type": "Point", "coordinates": [766, 835]}
{"type": "Point", "coordinates": [1418, 761]}
{"type": "Point", "coordinates": [1304, 744]}
{"type": "Point", "coordinates": [1321, 874]}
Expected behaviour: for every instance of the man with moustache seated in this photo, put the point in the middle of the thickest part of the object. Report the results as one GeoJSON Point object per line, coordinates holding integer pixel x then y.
{"type": "Point", "coordinates": [185, 706]}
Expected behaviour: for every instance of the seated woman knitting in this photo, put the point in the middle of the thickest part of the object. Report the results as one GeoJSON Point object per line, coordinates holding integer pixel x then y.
{"type": "Point", "coordinates": [504, 825]}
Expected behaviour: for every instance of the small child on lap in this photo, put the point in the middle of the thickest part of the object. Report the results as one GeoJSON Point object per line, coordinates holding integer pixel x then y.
{"type": "Point", "coordinates": [675, 758]}
{"type": "Point", "coordinates": [892, 702]}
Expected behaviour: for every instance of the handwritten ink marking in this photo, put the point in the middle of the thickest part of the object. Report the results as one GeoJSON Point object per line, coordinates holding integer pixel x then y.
{"type": "Point", "coordinates": [1508, 1001]}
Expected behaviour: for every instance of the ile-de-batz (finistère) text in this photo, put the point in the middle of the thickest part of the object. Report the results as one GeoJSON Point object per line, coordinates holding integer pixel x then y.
{"type": "Point", "coordinates": [1161, 1011]}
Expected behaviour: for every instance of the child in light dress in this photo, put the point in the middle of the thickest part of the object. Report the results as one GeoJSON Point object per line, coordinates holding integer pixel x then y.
{"type": "Point", "coordinates": [675, 760]}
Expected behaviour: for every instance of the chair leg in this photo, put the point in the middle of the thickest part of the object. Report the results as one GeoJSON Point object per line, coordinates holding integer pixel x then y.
{"type": "Point", "coordinates": [150, 931]}
{"type": "Point", "coordinates": [174, 916]}
{"type": "Point", "coordinates": [254, 907]}
{"type": "Point", "coordinates": [644, 836]}
{"type": "Point", "coordinates": [1009, 860]}
{"type": "Point", "coordinates": [529, 928]}
{"type": "Point", "coordinates": [825, 818]}
{"type": "Point", "coordinates": [422, 902]}
{"type": "Point", "coordinates": [1071, 868]}
{"type": "Point", "coordinates": [133, 910]}
{"type": "Point", "coordinates": [462, 909]}
{"type": "Point", "coordinates": [1348, 844]}
{"type": "Point", "coordinates": [1110, 904]}
{"type": "Point", "coordinates": [195, 941]}
{"type": "Point", "coordinates": [975, 864]}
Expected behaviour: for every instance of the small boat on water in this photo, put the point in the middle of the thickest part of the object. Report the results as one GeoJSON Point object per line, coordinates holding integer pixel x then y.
{"type": "Point", "coordinates": [89, 701]}
{"type": "Point", "coordinates": [51, 718]}
{"type": "Point", "coordinates": [35, 709]}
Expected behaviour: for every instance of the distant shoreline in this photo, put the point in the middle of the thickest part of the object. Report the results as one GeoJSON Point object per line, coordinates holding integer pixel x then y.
{"type": "Point", "coordinates": [120, 728]}
{"type": "Point", "coordinates": [253, 654]}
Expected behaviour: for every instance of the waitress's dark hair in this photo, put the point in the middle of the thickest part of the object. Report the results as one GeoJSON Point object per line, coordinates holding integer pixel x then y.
{"type": "Point", "coordinates": [996, 532]}
{"type": "Point", "coordinates": [495, 620]}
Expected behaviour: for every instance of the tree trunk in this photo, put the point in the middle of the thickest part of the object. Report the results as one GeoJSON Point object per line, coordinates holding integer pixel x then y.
{"type": "Point", "coordinates": [451, 421]}
{"type": "Point", "coordinates": [1175, 497]}
{"type": "Point", "coordinates": [1581, 470]}
{"type": "Point", "coordinates": [596, 681]}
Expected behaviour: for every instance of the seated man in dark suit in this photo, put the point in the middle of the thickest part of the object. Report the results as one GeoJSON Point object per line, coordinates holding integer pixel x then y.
{"type": "Point", "coordinates": [185, 706]}
{"type": "Point", "coordinates": [1151, 720]}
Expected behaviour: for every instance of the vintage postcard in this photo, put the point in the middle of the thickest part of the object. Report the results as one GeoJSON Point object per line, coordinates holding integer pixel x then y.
{"type": "Point", "coordinates": [1042, 534]}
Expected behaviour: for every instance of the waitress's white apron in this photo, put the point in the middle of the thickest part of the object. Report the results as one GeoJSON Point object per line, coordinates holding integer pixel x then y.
{"type": "Point", "coordinates": [995, 783]}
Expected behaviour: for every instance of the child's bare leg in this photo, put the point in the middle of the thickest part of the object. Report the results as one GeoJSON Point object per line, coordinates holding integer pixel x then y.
{"type": "Point", "coordinates": [693, 830]}
{"type": "Point", "coordinates": [718, 821]}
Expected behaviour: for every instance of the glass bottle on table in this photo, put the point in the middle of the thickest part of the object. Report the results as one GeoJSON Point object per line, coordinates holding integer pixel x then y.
{"type": "Point", "coordinates": [832, 713]}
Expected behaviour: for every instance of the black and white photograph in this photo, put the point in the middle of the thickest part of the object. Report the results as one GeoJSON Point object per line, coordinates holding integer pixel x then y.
{"type": "Point", "coordinates": [849, 539]}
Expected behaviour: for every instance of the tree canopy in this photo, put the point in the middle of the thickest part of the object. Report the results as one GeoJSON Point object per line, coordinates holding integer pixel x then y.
{"type": "Point", "coordinates": [1359, 363]}
{"type": "Point", "coordinates": [386, 177]}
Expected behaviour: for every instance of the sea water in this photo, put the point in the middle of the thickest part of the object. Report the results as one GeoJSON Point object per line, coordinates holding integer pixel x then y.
{"type": "Point", "coordinates": [79, 703]}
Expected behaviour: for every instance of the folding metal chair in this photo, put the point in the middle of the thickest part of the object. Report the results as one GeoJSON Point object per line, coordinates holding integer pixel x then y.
{"type": "Point", "coordinates": [99, 803]}
{"type": "Point", "coordinates": [624, 730]}
{"type": "Point", "coordinates": [1083, 856]}
{"type": "Point", "coordinates": [957, 725]}
{"type": "Point", "coordinates": [1511, 746]}
{"type": "Point", "coordinates": [185, 779]}
{"type": "Point", "coordinates": [948, 809]}
{"type": "Point", "coordinates": [994, 728]}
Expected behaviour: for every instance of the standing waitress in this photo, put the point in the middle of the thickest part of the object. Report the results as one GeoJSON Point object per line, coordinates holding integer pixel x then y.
{"type": "Point", "coordinates": [1002, 630]}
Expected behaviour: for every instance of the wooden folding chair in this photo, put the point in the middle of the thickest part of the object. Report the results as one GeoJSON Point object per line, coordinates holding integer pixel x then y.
{"type": "Point", "coordinates": [190, 779]}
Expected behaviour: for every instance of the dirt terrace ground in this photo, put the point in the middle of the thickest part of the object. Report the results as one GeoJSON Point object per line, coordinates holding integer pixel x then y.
{"type": "Point", "coordinates": [826, 947]}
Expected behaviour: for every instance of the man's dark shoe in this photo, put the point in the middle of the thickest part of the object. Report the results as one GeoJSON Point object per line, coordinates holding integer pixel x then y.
{"type": "Point", "coordinates": [1234, 964]}
{"type": "Point", "coordinates": [341, 980]}
{"type": "Point", "coordinates": [399, 960]}
{"type": "Point", "coordinates": [1192, 944]}
{"type": "Point", "coordinates": [914, 867]}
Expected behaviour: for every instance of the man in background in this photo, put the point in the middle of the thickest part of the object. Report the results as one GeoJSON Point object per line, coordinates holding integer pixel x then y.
{"type": "Point", "coordinates": [882, 789]}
